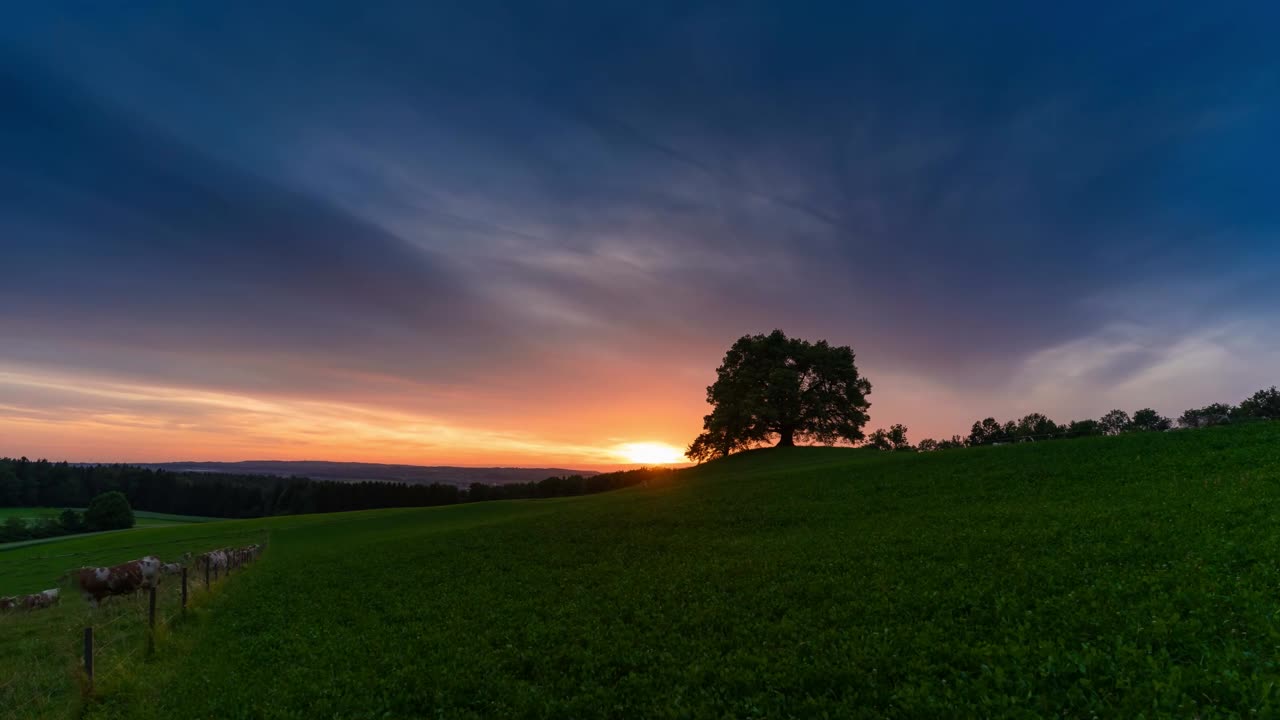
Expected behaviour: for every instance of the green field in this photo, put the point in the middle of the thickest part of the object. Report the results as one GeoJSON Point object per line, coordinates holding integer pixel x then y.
{"type": "Point", "coordinates": [1112, 577]}
{"type": "Point", "coordinates": [143, 519]}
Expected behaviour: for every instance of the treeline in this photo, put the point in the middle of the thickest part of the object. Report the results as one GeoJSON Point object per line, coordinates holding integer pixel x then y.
{"type": "Point", "coordinates": [41, 483]}
{"type": "Point", "coordinates": [1262, 405]}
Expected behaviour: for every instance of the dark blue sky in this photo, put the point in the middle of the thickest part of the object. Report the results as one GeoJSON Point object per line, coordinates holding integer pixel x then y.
{"type": "Point", "coordinates": [536, 226]}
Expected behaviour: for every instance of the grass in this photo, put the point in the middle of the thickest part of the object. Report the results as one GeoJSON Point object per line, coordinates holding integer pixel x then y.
{"type": "Point", "coordinates": [1111, 577]}
{"type": "Point", "coordinates": [28, 513]}
{"type": "Point", "coordinates": [143, 519]}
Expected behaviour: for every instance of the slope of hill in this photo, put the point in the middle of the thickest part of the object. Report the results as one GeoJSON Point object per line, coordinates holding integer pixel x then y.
{"type": "Point", "coordinates": [355, 472]}
{"type": "Point", "coordinates": [1110, 577]}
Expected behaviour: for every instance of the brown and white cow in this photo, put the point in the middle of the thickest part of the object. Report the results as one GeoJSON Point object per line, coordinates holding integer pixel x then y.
{"type": "Point", "coordinates": [97, 583]}
{"type": "Point", "coordinates": [47, 598]}
{"type": "Point", "coordinates": [8, 603]}
{"type": "Point", "coordinates": [171, 568]}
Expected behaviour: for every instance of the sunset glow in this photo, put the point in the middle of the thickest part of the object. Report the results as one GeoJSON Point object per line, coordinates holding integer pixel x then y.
{"type": "Point", "coordinates": [541, 261]}
{"type": "Point", "coordinates": [650, 453]}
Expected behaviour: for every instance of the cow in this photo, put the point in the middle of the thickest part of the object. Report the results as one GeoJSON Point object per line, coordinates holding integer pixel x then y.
{"type": "Point", "coordinates": [8, 603]}
{"type": "Point", "coordinates": [171, 568]}
{"type": "Point", "coordinates": [214, 559]}
{"type": "Point", "coordinates": [98, 583]}
{"type": "Point", "coordinates": [47, 598]}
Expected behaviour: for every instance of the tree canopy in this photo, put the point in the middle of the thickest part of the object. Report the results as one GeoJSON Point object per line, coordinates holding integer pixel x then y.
{"type": "Point", "coordinates": [774, 388]}
{"type": "Point", "coordinates": [1264, 404]}
{"type": "Point", "coordinates": [1149, 420]}
{"type": "Point", "coordinates": [1115, 422]}
{"type": "Point", "coordinates": [109, 511]}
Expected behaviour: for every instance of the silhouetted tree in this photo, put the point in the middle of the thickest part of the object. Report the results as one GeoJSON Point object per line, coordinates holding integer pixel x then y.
{"type": "Point", "coordinates": [1084, 428]}
{"type": "Point", "coordinates": [898, 437]}
{"type": "Point", "coordinates": [1149, 420]}
{"type": "Point", "coordinates": [1035, 426]}
{"type": "Point", "coordinates": [956, 441]}
{"type": "Point", "coordinates": [771, 387]}
{"type": "Point", "coordinates": [109, 511]}
{"type": "Point", "coordinates": [1115, 422]}
{"type": "Point", "coordinates": [1208, 416]}
{"type": "Point", "coordinates": [927, 445]}
{"type": "Point", "coordinates": [989, 432]}
{"type": "Point", "coordinates": [1264, 404]}
{"type": "Point", "coordinates": [715, 443]}
{"type": "Point", "coordinates": [879, 439]}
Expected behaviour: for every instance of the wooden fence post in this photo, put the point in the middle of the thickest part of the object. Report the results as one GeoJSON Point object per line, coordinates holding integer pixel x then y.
{"type": "Point", "coordinates": [184, 589]}
{"type": "Point", "coordinates": [151, 621]}
{"type": "Point", "coordinates": [88, 655]}
{"type": "Point", "coordinates": [206, 574]}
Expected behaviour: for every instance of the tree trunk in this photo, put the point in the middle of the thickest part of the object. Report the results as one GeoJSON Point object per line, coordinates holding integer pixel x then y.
{"type": "Point", "coordinates": [786, 438]}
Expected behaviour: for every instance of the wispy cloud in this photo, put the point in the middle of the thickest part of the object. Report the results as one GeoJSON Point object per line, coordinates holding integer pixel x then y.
{"type": "Point", "coordinates": [544, 228]}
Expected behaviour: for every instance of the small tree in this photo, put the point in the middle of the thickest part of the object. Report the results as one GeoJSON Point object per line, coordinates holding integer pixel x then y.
{"type": "Point", "coordinates": [1115, 422]}
{"type": "Point", "coordinates": [879, 439]}
{"type": "Point", "coordinates": [1084, 428]}
{"type": "Point", "coordinates": [109, 511]}
{"type": "Point", "coordinates": [1149, 420]}
{"type": "Point", "coordinates": [1035, 425]}
{"type": "Point", "coordinates": [71, 521]}
{"type": "Point", "coordinates": [898, 437]}
{"type": "Point", "coordinates": [46, 528]}
{"type": "Point", "coordinates": [1208, 416]}
{"type": "Point", "coordinates": [989, 432]}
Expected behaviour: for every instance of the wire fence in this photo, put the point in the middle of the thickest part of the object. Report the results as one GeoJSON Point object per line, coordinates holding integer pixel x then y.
{"type": "Point", "coordinates": [53, 658]}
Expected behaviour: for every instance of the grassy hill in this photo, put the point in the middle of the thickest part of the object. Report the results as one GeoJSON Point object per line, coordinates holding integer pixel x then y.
{"type": "Point", "coordinates": [1110, 576]}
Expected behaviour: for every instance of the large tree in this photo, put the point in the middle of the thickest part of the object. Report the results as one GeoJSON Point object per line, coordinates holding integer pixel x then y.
{"type": "Point", "coordinates": [109, 511]}
{"type": "Point", "coordinates": [774, 388]}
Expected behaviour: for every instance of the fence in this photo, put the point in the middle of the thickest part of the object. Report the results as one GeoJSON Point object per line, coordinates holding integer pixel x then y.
{"type": "Point", "coordinates": [52, 659]}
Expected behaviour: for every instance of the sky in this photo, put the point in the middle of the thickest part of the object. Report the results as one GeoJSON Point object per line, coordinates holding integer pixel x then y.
{"type": "Point", "coordinates": [516, 233]}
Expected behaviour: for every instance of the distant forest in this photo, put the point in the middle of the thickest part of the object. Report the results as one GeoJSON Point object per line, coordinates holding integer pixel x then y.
{"type": "Point", "coordinates": [41, 483]}
{"type": "Point", "coordinates": [1262, 405]}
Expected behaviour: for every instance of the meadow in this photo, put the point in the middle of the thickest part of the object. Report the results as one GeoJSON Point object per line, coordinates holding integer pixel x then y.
{"type": "Point", "coordinates": [1115, 577]}
{"type": "Point", "coordinates": [143, 517]}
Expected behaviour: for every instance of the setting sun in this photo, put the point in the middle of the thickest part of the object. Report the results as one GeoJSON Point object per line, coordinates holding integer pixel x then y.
{"type": "Point", "coordinates": [650, 453]}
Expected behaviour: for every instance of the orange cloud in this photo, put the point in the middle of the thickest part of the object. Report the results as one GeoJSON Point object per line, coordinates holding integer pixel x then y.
{"type": "Point", "coordinates": [94, 419]}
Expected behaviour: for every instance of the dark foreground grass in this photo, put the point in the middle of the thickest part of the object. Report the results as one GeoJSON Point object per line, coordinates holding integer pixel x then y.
{"type": "Point", "coordinates": [1109, 577]}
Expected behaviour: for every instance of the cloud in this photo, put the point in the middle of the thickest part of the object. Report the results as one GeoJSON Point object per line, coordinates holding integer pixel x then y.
{"type": "Point", "coordinates": [478, 214]}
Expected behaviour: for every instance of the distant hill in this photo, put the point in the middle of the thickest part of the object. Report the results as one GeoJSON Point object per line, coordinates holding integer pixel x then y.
{"type": "Point", "coordinates": [356, 472]}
